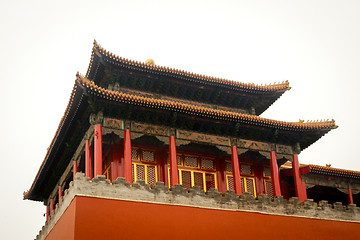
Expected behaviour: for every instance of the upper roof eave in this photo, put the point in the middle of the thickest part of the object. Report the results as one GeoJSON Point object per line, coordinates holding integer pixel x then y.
{"type": "Point", "coordinates": [279, 88]}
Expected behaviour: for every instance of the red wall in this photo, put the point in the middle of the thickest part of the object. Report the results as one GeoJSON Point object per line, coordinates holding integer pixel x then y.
{"type": "Point", "coordinates": [65, 227]}
{"type": "Point", "coordinates": [112, 219]}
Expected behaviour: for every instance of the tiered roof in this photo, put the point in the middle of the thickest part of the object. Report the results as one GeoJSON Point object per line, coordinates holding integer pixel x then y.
{"type": "Point", "coordinates": [86, 90]}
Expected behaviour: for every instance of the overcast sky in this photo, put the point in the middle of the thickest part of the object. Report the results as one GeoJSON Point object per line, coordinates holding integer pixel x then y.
{"type": "Point", "coordinates": [313, 44]}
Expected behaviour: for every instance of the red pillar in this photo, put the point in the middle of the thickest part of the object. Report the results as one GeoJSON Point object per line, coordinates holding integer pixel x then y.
{"type": "Point", "coordinates": [275, 174]}
{"type": "Point", "coordinates": [350, 197]}
{"type": "Point", "coordinates": [98, 161]}
{"type": "Point", "coordinates": [52, 206]}
{"type": "Point", "coordinates": [299, 187]}
{"type": "Point", "coordinates": [174, 174]}
{"type": "Point", "coordinates": [236, 170]}
{"type": "Point", "coordinates": [60, 193]}
{"type": "Point", "coordinates": [127, 156]}
{"type": "Point", "coordinates": [47, 212]}
{"type": "Point", "coordinates": [89, 171]}
{"type": "Point", "coordinates": [75, 169]}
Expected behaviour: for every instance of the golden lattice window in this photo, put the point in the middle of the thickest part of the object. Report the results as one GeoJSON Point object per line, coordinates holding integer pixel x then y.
{"type": "Point", "coordinates": [207, 164]}
{"type": "Point", "coordinates": [246, 169]}
{"type": "Point", "coordinates": [148, 156]}
{"type": "Point", "coordinates": [191, 162]}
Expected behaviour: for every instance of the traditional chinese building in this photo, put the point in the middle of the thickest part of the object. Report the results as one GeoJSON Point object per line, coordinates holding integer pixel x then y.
{"type": "Point", "coordinates": [145, 151]}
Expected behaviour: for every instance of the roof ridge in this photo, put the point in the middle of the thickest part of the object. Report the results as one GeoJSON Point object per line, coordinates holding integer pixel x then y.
{"type": "Point", "coordinates": [280, 86]}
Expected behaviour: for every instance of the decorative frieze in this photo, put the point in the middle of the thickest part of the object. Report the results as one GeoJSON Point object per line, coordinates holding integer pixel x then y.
{"type": "Point", "coordinates": [149, 129]}
{"type": "Point", "coordinates": [202, 138]}
{"type": "Point", "coordinates": [184, 137]}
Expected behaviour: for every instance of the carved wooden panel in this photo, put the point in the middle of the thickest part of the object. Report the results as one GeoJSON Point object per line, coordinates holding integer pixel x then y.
{"type": "Point", "coordinates": [255, 145]}
{"type": "Point", "coordinates": [198, 137]}
{"type": "Point", "coordinates": [149, 129]}
{"type": "Point", "coordinates": [283, 149]}
{"type": "Point", "coordinates": [113, 123]}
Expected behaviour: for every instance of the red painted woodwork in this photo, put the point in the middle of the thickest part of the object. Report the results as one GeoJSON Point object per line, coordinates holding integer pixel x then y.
{"type": "Point", "coordinates": [220, 175]}
{"type": "Point", "coordinates": [275, 174]}
{"type": "Point", "coordinates": [299, 187]}
{"type": "Point", "coordinates": [350, 197]}
{"type": "Point", "coordinates": [98, 151]}
{"type": "Point", "coordinates": [259, 179]}
{"type": "Point", "coordinates": [52, 206]}
{"type": "Point", "coordinates": [174, 173]}
{"type": "Point", "coordinates": [60, 193]}
{"type": "Point", "coordinates": [89, 171]}
{"type": "Point", "coordinates": [97, 218]}
{"type": "Point", "coordinates": [115, 162]}
{"type": "Point", "coordinates": [75, 169]}
{"type": "Point", "coordinates": [236, 170]}
{"type": "Point", "coordinates": [127, 156]}
{"type": "Point", "coordinates": [160, 163]}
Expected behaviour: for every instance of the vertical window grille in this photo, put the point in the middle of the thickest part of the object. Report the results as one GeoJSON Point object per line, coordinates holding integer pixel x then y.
{"type": "Point", "coordinates": [199, 179]}
{"type": "Point", "coordinates": [243, 189]}
{"type": "Point", "coordinates": [269, 188]}
{"type": "Point", "coordinates": [140, 172]}
{"type": "Point", "coordinates": [151, 175]}
{"type": "Point", "coordinates": [250, 186]}
{"type": "Point", "coordinates": [186, 179]}
{"type": "Point", "coordinates": [230, 183]}
{"type": "Point", "coordinates": [210, 181]}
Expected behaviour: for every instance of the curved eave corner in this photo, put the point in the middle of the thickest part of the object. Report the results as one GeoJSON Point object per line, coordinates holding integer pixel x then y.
{"type": "Point", "coordinates": [68, 115]}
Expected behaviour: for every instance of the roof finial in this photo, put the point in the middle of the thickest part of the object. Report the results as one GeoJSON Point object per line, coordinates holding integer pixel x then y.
{"type": "Point", "coordinates": [150, 61]}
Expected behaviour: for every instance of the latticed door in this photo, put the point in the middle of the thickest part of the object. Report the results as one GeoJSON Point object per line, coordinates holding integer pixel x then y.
{"type": "Point", "coordinates": [196, 171]}
{"type": "Point", "coordinates": [144, 166]}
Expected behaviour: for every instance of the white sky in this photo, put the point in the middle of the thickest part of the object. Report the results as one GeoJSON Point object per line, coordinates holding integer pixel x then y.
{"type": "Point", "coordinates": [314, 44]}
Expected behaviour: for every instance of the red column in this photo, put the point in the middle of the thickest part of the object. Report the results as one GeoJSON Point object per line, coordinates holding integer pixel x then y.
{"type": "Point", "coordinates": [47, 212]}
{"type": "Point", "coordinates": [89, 172]}
{"type": "Point", "coordinates": [350, 197]}
{"type": "Point", "coordinates": [60, 193]}
{"type": "Point", "coordinates": [236, 170]}
{"type": "Point", "coordinates": [174, 174]}
{"type": "Point", "coordinates": [98, 161]}
{"type": "Point", "coordinates": [127, 156]}
{"type": "Point", "coordinates": [299, 187]}
{"type": "Point", "coordinates": [275, 174]}
{"type": "Point", "coordinates": [75, 169]}
{"type": "Point", "coordinates": [52, 206]}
